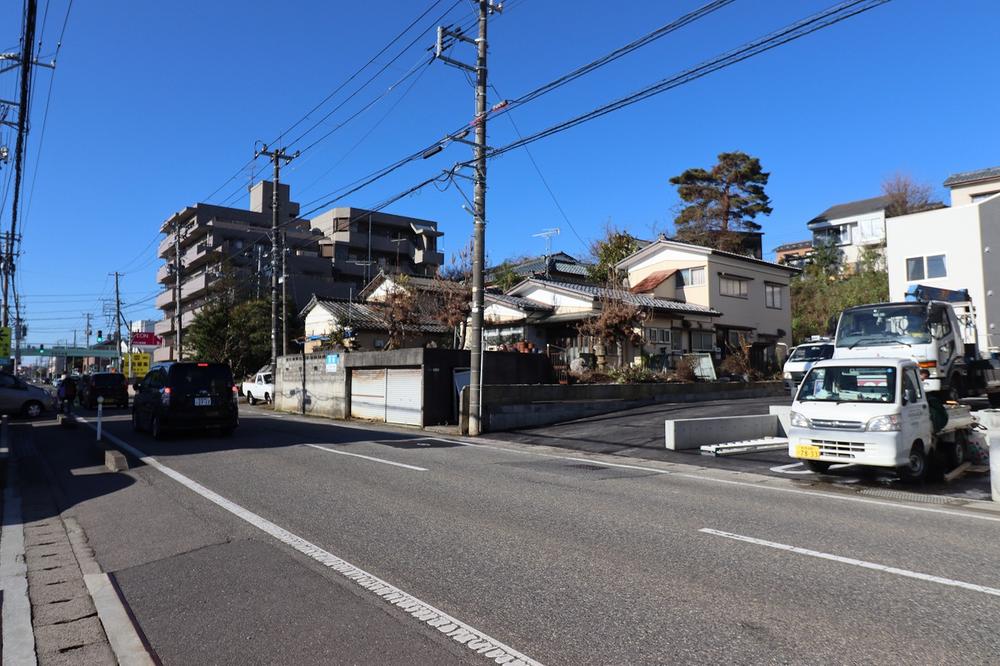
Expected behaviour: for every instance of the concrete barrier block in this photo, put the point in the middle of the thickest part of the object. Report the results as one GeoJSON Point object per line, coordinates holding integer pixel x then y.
{"type": "Point", "coordinates": [115, 461]}
{"type": "Point", "coordinates": [683, 434]}
{"type": "Point", "coordinates": [783, 412]}
{"type": "Point", "coordinates": [66, 420]}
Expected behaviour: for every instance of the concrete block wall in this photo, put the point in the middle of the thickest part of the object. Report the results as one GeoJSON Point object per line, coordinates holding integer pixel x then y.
{"type": "Point", "coordinates": [326, 393]}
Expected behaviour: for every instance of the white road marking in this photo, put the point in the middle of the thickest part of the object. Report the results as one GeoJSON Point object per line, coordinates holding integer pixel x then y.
{"type": "Point", "coordinates": [787, 469]}
{"type": "Point", "coordinates": [591, 461]}
{"type": "Point", "coordinates": [472, 638]}
{"type": "Point", "coordinates": [906, 573]}
{"type": "Point", "coordinates": [373, 459]}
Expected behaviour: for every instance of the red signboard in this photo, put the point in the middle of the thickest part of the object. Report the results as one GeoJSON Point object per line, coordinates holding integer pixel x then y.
{"type": "Point", "coordinates": [146, 339]}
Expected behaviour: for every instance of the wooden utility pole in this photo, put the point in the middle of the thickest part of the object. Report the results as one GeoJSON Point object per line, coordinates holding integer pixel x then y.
{"type": "Point", "coordinates": [118, 320]}
{"type": "Point", "coordinates": [284, 296]}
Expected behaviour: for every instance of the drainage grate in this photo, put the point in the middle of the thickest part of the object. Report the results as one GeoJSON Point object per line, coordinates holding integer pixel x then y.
{"type": "Point", "coordinates": [911, 497]}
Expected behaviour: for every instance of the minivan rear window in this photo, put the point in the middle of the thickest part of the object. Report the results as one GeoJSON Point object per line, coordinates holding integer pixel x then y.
{"type": "Point", "coordinates": [188, 377]}
{"type": "Point", "coordinates": [107, 381]}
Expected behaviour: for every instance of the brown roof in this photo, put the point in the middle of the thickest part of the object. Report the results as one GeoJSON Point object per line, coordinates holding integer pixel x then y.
{"type": "Point", "coordinates": [652, 281]}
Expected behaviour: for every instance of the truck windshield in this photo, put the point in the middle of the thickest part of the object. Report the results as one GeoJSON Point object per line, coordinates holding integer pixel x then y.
{"type": "Point", "coordinates": [849, 384]}
{"type": "Point", "coordinates": [811, 353]}
{"type": "Point", "coordinates": [883, 325]}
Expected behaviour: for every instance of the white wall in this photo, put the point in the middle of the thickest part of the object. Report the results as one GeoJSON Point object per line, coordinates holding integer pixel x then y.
{"type": "Point", "coordinates": [561, 302]}
{"type": "Point", "coordinates": [867, 229]}
{"type": "Point", "coordinates": [953, 232]}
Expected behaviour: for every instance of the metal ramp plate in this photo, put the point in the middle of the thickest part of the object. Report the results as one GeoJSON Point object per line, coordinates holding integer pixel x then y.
{"type": "Point", "coordinates": [746, 446]}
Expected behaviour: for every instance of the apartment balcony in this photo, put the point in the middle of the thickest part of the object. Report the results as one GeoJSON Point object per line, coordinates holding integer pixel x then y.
{"type": "Point", "coordinates": [165, 299]}
{"type": "Point", "coordinates": [432, 257]}
{"type": "Point", "coordinates": [164, 327]}
{"type": "Point", "coordinates": [194, 286]}
{"type": "Point", "coordinates": [161, 354]}
{"type": "Point", "coordinates": [164, 274]}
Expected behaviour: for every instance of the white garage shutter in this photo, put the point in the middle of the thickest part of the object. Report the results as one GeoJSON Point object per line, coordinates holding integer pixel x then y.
{"type": "Point", "coordinates": [404, 396]}
{"type": "Point", "coordinates": [368, 394]}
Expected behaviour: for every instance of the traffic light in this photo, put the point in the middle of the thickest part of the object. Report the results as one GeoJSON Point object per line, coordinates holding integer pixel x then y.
{"type": "Point", "coordinates": [100, 336]}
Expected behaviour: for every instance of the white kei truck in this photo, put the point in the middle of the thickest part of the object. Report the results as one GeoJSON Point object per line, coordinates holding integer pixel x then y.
{"type": "Point", "coordinates": [261, 387]}
{"type": "Point", "coordinates": [874, 412]}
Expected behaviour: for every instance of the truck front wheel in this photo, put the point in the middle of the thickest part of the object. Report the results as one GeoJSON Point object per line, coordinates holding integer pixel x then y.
{"type": "Point", "coordinates": [956, 387]}
{"type": "Point", "coordinates": [817, 466]}
{"type": "Point", "coordinates": [994, 399]}
{"type": "Point", "coordinates": [916, 468]}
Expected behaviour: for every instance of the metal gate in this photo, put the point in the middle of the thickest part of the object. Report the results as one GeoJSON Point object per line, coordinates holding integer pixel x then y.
{"type": "Point", "coordinates": [368, 394]}
{"type": "Point", "coordinates": [404, 396]}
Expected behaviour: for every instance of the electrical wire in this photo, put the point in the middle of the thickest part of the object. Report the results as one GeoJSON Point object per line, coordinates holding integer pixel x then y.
{"type": "Point", "coordinates": [824, 19]}
{"type": "Point", "coordinates": [340, 87]}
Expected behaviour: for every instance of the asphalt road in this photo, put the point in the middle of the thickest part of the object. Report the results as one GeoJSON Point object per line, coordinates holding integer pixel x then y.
{"type": "Point", "coordinates": [240, 550]}
{"type": "Point", "coordinates": [631, 432]}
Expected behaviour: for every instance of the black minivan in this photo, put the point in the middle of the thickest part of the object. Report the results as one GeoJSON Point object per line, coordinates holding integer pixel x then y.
{"type": "Point", "coordinates": [186, 396]}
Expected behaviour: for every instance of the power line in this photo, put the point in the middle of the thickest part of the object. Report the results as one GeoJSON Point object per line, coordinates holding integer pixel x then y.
{"type": "Point", "coordinates": [340, 87]}
{"type": "Point", "coordinates": [823, 19]}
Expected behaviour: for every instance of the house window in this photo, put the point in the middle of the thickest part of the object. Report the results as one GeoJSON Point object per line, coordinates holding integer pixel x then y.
{"type": "Point", "coordinates": [919, 268]}
{"type": "Point", "coordinates": [736, 339]}
{"type": "Point", "coordinates": [691, 277]}
{"type": "Point", "coordinates": [702, 341]}
{"type": "Point", "coordinates": [675, 339]}
{"type": "Point", "coordinates": [735, 287]}
{"type": "Point", "coordinates": [839, 235]}
{"type": "Point", "coordinates": [658, 336]}
{"type": "Point", "coordinates": [772, 295]}
{"type": "Point", "coordinates": [983, 195]}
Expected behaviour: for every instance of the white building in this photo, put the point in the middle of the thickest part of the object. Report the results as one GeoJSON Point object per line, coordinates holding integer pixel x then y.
{"type": "Point", "coordinates": [853, 226]}
{"type": "Point", "coordinates": [954, 248]}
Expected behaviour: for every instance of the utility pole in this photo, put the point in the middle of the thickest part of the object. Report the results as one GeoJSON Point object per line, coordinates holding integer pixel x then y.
{"type": "Point", "coordinates": [27, 59]}
{"type": "Point", "coordinates": [486, 7]}
{"type": "Point", "coordinates": [118, 320]}
{"type": "Point", "coordinates": [87, 330]}
{"type": "Point", "coordinates": [284, 297]}
{"type": "Point", "coordinates": [177, 290]}
{"type": "Point", "coordinates": [17, 330]}
{"type": "Point", "coordinates": [277, 156]}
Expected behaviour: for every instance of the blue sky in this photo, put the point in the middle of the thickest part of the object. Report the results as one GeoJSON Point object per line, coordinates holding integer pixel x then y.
{"type": "Point", "coordinates": [155, 105]}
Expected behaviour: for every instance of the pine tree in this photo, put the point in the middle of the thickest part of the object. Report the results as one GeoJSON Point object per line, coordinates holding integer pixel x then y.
{"type": "Point", "coordinates": [722, 202]}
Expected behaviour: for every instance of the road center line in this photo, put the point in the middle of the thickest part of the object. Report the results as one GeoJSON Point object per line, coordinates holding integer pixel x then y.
{"type": "Point", "coordinates": [858, 563]}
{"type": "Point", "coordinates": [373, 459]}
{"type": "Point", "coordinates": [460, 632]}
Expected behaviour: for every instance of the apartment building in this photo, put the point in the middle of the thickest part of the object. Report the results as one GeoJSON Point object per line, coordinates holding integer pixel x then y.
{"type": "Point", "coordinates": [360, 243]}
{"type": "Point", "coordinates": [333, 256]}
{"type": "Point", "coordinates": [217, 238]}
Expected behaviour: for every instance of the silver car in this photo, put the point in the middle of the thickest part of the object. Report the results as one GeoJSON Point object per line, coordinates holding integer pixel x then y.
{"type": "Point", "coordinates": [19, 397]}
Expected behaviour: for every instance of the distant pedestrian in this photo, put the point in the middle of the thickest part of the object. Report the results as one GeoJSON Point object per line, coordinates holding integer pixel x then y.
{"type": "Point", "coordinates": [67, 393]}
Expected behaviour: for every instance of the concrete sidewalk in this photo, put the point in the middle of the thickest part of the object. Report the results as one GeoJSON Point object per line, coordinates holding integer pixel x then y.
{"type": "Point", "coordinates": [73, 606]}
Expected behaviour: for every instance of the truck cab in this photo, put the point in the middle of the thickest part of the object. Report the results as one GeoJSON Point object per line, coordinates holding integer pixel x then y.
{"type": "Point", "coordinates": [927, 332]}
{"type": "Point", "coordinates": [802, 359]}
{"type": "Point", "coordinates": [873, 412]}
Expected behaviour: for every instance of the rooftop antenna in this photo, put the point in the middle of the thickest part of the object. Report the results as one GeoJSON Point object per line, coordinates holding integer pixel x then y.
{"type": "Point", "coordinates": [547, 234]}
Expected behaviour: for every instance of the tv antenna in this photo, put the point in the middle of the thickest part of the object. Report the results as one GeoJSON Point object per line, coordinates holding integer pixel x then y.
{"type": "Point", "coordinates": [547, 234]}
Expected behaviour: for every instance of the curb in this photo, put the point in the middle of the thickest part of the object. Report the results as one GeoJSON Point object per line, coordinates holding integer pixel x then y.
{"type": "Point", "coordinates": [129, 646]}
{"type": "Point", "coordinates": [18, 634]}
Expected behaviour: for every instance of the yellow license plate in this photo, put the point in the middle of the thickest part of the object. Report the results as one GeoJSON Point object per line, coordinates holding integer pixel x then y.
{"type": "Point", "coordinates": [805, 451]}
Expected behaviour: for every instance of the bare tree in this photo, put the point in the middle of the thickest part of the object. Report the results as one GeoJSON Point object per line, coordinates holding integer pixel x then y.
{"type": "Point", "coordinates": [398, 311]}
{"type": "Point", "coordinates": [905, 195]}
{"type": "Point", "coordinates": [616, 323]}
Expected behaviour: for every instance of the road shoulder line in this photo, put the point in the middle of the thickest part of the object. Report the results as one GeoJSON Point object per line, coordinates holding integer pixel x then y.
{"type": "Point", "coordinates": [458, 631]}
